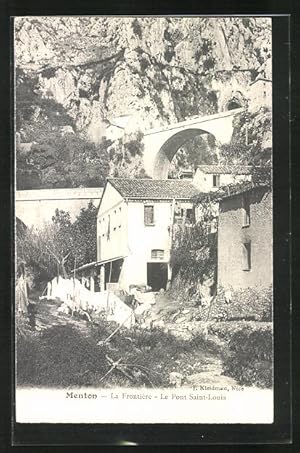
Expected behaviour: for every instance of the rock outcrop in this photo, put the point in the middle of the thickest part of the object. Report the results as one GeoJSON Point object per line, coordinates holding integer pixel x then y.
{"type": "Point", "coordinates": [153, 70]}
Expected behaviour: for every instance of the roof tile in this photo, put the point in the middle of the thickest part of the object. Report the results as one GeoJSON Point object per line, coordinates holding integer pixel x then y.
{"type": "Point", "coordinates": [154, 188]}
{"type": "Point", "coordinates": [229, 169]}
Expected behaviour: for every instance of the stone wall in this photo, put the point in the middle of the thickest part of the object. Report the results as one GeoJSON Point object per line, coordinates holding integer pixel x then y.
{"type": "Point", "coordinates": [35, 207]}
{"type": "Point", "coordinates": [232, 234]}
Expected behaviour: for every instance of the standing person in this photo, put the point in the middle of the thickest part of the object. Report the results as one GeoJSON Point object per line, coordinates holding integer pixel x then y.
{"type": "Point", "coordinates": [21, 291]}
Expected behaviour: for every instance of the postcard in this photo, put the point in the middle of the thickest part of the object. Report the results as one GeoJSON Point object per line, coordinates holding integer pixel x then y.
{"type": "Point", "coordinates": [144, 219]}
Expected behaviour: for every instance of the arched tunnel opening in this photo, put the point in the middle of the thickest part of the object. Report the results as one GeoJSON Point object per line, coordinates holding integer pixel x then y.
{"type": "Point", "coordinates": [233, 105]}
{"type": "Point", "coordinates": [185, 150]}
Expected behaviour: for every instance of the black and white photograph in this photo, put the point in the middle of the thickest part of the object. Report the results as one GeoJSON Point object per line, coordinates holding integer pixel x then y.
{"type": "Point", "coordinates": [143, 219]}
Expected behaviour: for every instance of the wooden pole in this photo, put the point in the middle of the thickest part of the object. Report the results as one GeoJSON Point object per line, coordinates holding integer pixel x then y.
{"type": "Point", "coordinates": [110, 270]}
{"type": "Point", "coordinates": [74, 275]}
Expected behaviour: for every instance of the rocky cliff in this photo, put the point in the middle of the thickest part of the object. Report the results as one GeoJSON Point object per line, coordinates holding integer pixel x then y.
{"type": "Point", "coordinates": [111, 73]}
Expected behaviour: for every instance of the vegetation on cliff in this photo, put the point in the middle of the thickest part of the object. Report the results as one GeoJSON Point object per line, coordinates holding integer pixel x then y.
{"type": "Point", "coordinates": [78, 75]}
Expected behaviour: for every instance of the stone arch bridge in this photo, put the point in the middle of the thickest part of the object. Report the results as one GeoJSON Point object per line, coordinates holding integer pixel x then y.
{"type": "Point", "coordinates": [161, 144]}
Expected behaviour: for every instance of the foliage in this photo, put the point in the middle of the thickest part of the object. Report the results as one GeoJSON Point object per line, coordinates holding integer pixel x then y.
{"type": "Point", "coordinates": [169, 54]}
{"type": "Point", "coordinates": [58, 157]}
{"type": "Point", "coordinates": [225, 330]}
{"type": "Point", "coordinates": [194, 248]}
{"type": "Point", "coordinates": [44, 251]}
{"type": "Point", "coordinates": [126, 157]}
{"type": "Point", "coordinates": [60, 356]}
{"type": "Point", "coordinates": [249, 144]}
{"type": "Point", "coordinates": [55, 248]}
{"type": "Point", "coordinates": [194, 253]}
{"type": "Point", "coordinates": [249, 303]}
{"type": "Point", "coordinates": [85, 235]}
{"type": "Point", "coordinates": [65, 161]}
{"type": "Point", "coordinates": [250, 355]}
{"type": "Point", "coordinates": [63, 356]}
{"type": "Point", "coordinates": [144, 63]}
{"type": "Point", "coordinates": [197, 151]}
{"type": "Point", "coordinates": [137, 29]}
{"type": "Point", "coordinates": [32, 107]}
{"type": "Point", "coordinates": [135, 144]}
{"type": "Point", "coordinates": [245, 305]}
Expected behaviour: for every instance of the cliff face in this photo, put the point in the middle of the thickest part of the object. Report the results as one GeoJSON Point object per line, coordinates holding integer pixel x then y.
{"type": "Point", "coordinates": [150, 71]}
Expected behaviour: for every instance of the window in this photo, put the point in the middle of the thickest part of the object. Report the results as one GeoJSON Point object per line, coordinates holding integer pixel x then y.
{"type": "Point", "coordinates": [103, 227]}
{"type": "Point", "coordinates": [246, 256]}
{"type": "Point", "coordinates": [189, 213]}
{"type": "Point", "coordinates": [246, 210]}
{"type": "Point", "coordinates": [120, 217]}
{"type": "Point", "coordinates": [184, 215]}
{"type": "Point", "coordinates": [216, 180]}
{"type": "Point", "coordinates": [99, 248]}
{"type": "Point", "coordinates": [108, 228]}
{"type": "Point", "coordinates": [149, 215]}
{"type": "Point", "coordinates": [115, 219]}
{"type": "Point", "coordinates": [189, 216]}
{"type": "Point", "coordinates": [157, 254]}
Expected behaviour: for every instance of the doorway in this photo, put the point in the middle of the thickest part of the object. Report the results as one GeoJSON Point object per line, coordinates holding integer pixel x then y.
{"type": "Point", "coordinates": [157, 275]}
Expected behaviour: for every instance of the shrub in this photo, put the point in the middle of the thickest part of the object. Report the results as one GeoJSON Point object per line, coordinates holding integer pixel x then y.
{"type": "Point", "coordinates": [248, 304]}
{"type": "Point", "coordinates": [194, 252]}
{"type": "Point", "coordinates": [225, 330]}
{"type": "Point", "coordinates": [209, 63]}
{"type": "Point", "coordinates": [137, 29]}
{"type": "Point", "coordinates": [63, 356]}
{"type": "Point", "coordinates": [48, 73]}
{"type": "Point", "coordinates": [169, 54]}
{"type": "Point", "coordinates": [144, 63]}
{"type": "Point", "coordinates": [210, 343]}
{"type": "Point", "coordinates": [58, 357]}
{"type": "Point", "coordinates": [250, 354]}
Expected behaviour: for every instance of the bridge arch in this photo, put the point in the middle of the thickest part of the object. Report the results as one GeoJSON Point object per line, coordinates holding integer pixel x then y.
{"type": "Point", "coordinates": [169, 149]}
{"type": "Point", "coordinates": [161, 144]}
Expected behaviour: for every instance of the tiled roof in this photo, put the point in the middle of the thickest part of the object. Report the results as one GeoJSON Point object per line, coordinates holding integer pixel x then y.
{"type": "Point", "coordinates": [246, 186]}
{"type": "Point", "coordinates": [231, 190]}
{"type": "Point", "coordinates": [154, 188]}
{"type": "Point", "coordinates": [228, 169]}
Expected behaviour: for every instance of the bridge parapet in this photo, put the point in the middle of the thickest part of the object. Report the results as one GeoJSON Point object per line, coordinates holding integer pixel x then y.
{"type": "Point", "coordinates": [161, 144]}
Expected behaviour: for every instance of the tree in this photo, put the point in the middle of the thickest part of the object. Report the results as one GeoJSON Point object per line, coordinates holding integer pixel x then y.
{"type": "Point", "coordinates": [60, 245]}
{"type": "Point", "coordinates": [64, 161]}
{"type": "Point", "coordinates": [250, 140]}
{"type": "Point", "coordinates": [84, 234]}
{"type": "Point", "coordinates": [42, 252]}
{"type": "Point", "coordinates": [194, 248]}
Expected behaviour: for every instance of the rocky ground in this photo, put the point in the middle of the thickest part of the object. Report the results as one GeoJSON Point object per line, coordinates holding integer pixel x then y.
{"type": "Point", "coordinates": [194, 367]}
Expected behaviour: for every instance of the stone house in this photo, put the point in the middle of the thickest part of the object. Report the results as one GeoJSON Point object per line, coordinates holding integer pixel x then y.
{"type": "Point", "coordinates": [209, 178]}
{"type": "Point", "coordinates": [245, 238]}
{"type": "Point", "coordinates": [134, 230]}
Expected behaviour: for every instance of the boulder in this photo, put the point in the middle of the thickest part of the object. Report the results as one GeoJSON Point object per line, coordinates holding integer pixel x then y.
{"type": "Point", "coordinates": [176, 379]}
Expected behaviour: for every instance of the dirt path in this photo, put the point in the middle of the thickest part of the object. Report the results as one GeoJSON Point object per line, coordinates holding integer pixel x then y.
{"type": "Point", "coordinates": [179, 319]}
{"type": "Point", "coordinates": [202, 368]}
{"type": "Point", "coordinates": [47, 315]}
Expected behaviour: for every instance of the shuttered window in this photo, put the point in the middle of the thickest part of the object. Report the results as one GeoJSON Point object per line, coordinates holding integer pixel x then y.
{"type": "Point", "coordinates": [216, 180]}
{"type": "Point", "coordinates": [246, 256]}
{"type": "Point", "coordinates": [108, 228]}
{"type": "Point", "coordinates": [149, 215]}
{"type": "Point", "coordinates": [157, 254]}
{"type": "Point", "coordinates": [246, 210]}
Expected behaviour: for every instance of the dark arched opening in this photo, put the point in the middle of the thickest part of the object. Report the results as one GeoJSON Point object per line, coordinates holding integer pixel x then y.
{"type": "Point", "coordinates": [233, 105]}
{"type": "Point", "coordinates": [170, 147]}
